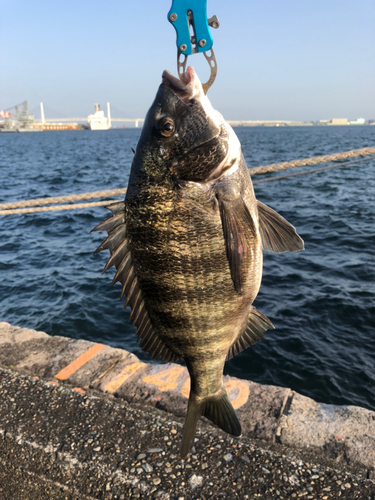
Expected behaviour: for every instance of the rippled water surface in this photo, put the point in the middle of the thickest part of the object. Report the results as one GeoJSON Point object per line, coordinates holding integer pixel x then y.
{"type": "Point", "coordinates": [320, 300]}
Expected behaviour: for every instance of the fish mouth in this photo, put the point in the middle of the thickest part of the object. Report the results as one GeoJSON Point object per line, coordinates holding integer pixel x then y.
{"type": "Point", "coordinates": [183, 90]}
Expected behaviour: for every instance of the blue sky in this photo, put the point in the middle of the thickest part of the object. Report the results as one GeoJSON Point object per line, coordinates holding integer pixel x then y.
{"type": "Point", "coordinates": [293, 60]}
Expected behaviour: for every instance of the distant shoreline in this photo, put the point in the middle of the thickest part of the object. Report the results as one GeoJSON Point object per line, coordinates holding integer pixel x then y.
{"type": "Point", "coordinates": [235, 123]}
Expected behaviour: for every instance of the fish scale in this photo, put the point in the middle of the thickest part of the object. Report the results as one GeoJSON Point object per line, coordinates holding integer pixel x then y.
{"type": "Point", "coordinates": [195, 324]}
{"type": "Point", "coordinates": [188, 250]}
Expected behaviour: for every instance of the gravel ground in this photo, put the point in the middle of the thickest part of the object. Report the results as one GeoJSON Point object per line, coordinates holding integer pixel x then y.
{"type": "Point", "coordinates": [56, 443]}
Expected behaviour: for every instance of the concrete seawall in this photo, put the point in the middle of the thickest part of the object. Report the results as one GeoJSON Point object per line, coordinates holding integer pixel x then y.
{"type": "Point", "coordinates": [278, 418]}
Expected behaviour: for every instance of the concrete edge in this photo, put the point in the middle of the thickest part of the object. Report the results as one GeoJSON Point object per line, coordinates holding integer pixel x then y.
{"type": "Point", "coordinates": [344, 434]}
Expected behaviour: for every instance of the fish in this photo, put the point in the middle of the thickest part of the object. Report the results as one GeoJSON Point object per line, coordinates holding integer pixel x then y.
{"type": "Point", "coordinates": [187, 244]}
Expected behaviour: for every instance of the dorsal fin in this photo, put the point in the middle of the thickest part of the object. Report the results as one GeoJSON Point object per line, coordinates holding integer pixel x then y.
{"type": "Point", "coordinates": [278, 235]}
{"type": "Point", "coordinates": [257, 325]}
{"type": "Point", "coordinates": [117, 256]}
{"type": "Point", "coordinates": [116, 207]}
{"type": "Point", "coordinates": [114, 238]}
{"type": "Point", "coordinates": [117, 244]}
{"type": "Point", "coordinates": [111, 223]}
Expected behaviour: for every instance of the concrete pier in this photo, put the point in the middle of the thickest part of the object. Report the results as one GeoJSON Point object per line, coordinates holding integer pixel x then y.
{"type": "Point", "coordinates": [84, 420]}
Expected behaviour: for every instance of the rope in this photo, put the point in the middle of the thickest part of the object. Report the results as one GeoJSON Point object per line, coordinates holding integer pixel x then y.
{"type": "Point", "coordinates": [276, 178]}
{"type": "Point", "coordinates": [311, 161]}
{"type": "Point", "coordinates": [14, 207]}
{"type": "Point", "coordinates": [60, 199]}
{"type": "Point", "coordinates": [57, 207]}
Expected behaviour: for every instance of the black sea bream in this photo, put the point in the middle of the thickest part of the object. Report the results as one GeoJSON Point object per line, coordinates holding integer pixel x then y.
{"type": "Point", "coordinates": [187, 245]}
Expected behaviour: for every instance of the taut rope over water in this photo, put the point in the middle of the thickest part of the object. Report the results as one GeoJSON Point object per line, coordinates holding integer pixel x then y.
{"type": "Point", "coordinates": [19, 207]}
{"type": "Point", "coordinates": [310, 161]}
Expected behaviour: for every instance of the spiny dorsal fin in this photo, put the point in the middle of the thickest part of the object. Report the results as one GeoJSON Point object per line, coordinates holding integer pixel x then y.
{"type": "Point", "coordinates": [116, 207]}
{"type": "Point", "coordinates": [113, 239]}
{"type": "Point", "coordinates": [117, 255]}
{"type": "Point", "coordinates": [117, 244]}
{"type": "Point", "coordinates": [111, 223]}
{"type": "Point", "coordinates": [278, 235]}
{"type": "Point", "coordinates": [236, 221]}
{"type": "Point", "coordinates": [256, 327]}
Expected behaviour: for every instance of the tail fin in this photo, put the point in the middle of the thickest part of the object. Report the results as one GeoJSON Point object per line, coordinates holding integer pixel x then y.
{"type": "Point", "coordinates": [221, 412]}
{"type": "Point", "coordinates": [218, 409]}
{"type": "Point", "coordinates": [194, 411]}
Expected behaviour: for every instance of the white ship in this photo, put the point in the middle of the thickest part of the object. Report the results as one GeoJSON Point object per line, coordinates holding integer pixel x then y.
{"type": "Point", "coordinates": [98, 121]}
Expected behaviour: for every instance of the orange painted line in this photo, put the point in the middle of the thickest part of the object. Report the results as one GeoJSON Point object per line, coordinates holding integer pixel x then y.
{"type": "Point", "coordinates": [238, 391]}
{"type": "Point", "coordinates": [185, 390]}
{"type": "Point", "coordinates": [127, 372]}
{"type": "Point", "coordinates": [53, 382]}
{"type": "Point", "coordinates": [79, 362]}
{"type": "Point", "coordinates": [166, 380]}
{"type": "Point", "coordinates": [242, 389]}
{"type": "Point", "coordinates": [78, 389]}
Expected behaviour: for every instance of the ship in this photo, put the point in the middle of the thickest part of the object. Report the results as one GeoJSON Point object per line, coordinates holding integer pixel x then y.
{"type": "Point", "coordinates": [98, 121]}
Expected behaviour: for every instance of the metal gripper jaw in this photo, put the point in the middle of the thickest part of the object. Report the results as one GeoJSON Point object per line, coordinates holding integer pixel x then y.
{"type": "Point", "coordinates": [189, 18]}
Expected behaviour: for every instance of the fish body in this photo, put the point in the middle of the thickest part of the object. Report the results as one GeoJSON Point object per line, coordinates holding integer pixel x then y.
{"type": "Point", "coordinates": [187, 245]}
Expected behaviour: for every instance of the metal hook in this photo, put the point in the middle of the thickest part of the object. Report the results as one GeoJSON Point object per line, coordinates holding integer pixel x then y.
{"type": "Point", "coordinates": [189, 18]}
{"type": "Point", "coordinates": [211, 59]}
{"type": "Point", "coordinates": [181, 68]}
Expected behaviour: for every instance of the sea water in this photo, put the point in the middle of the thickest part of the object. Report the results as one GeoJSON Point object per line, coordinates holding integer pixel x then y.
{"type": "Point", "coordinates": [321, 301]}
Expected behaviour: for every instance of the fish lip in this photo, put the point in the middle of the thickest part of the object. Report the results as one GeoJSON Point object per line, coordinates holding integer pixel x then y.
{"type": "Point", "coordinates": [184, 91]}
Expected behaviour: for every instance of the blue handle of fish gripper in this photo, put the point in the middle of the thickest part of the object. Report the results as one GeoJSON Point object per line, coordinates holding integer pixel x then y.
{"type": "Point", "coordinates": [181, 24]}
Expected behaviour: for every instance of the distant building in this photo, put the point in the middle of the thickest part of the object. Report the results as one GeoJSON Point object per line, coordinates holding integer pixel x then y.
{"type": "Point", "coordinates": [358, 121]}
{"type": "Point", "coordinates": [338, 121]}
{"type": "Point", "coordinates": [58, 126]}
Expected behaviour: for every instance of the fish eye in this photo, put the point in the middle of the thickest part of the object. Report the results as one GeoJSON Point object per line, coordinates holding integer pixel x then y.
{"type": "Point", "coordinates": [166, 127]}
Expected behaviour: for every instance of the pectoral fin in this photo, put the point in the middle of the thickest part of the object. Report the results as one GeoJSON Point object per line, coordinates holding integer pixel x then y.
{"type": "Point", "coordinates": [237, 224]}
{"type": "Point", "coordinates": [278, 235]}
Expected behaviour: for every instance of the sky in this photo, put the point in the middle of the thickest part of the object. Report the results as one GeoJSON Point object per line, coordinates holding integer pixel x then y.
{"type": "Point", "coordinates": [282, 60]}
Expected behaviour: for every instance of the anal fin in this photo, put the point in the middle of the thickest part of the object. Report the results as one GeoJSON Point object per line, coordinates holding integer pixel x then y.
{"type": "Point", "coordinates": [256, 327]}
{"type": "Point", "coordinates": [278, 235]}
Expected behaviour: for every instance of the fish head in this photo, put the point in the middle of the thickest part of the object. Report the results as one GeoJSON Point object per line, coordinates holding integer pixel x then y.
{"type": "Point", "coordinates": [184, 137]}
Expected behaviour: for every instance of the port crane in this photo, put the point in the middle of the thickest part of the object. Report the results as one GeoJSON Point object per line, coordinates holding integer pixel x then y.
{"type": "Point", "coordinates": [20, 115]}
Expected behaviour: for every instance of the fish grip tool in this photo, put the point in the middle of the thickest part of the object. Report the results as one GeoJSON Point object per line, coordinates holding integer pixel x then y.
{"type": "Point", "coordinates": [189, 18]}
